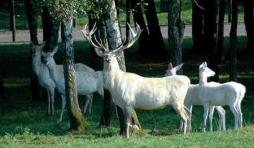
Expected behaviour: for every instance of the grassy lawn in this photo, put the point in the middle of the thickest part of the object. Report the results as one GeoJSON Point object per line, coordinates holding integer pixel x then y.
{"type": "Point", "coordinates": [23, 122]}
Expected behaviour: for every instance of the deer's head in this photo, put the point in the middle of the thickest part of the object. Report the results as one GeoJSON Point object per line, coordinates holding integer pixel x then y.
{"type": "Point", "coordinates": [172, 70]}
{"type": "Point", "coordinates": [204, 71]}
{"type": "Point", "coordinates": [48, 57]}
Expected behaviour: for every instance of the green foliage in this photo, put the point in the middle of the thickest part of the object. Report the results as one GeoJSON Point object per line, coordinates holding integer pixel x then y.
{"type": "Point", "coordinates": [66, 9]}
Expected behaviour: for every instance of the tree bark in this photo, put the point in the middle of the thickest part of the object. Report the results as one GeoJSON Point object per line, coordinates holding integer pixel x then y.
{"type": "Point", "coordinates": [77, 120]}
{"type": "Point", "coordinates": [233, 42]}
{"type": "Point", "coordinates": [114, 41]}
{"type": "Point", "coordinates": [50, 29]}
{"type": "Point", "coordinates": [128, 18]}
{"type": "Point", "coordinates": [221, 30]}
{"type": "Point", "coordinates": [175, 32]}
{"type": "Point", "coordinates": [157, 47]}
{"type": "Point", "coordinates": [12, 21]}
{"type": "Point", "coordinates": [138, 18]}
{"type": "Point", "coordinates": [198, 27]}
{"type": "Point", "coordinates": [210, 32]}
{"type": "Point", "coordinates": [32, 24]}
{"type": "Point", "coordinates": [249, 25]}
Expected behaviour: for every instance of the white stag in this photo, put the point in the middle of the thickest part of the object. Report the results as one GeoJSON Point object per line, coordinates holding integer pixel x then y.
{"type": "Point", "coordinates": [88, 80]}
{"type": "Point", "coordinates": [193, 99]}
{"type": "Point", "coordinates": [42, 73]}
{"type": "Point", "coordinates": [210, 94]}
{"type": "Point", "coordinates": [130, 91]}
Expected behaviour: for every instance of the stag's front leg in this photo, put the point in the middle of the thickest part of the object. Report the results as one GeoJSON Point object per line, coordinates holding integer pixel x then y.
{"type": "Point", "coordinates": [127, 118]}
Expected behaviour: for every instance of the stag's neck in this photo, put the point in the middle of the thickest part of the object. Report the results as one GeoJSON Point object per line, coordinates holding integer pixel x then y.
{"type": "Point", "coordinates": [111, 74]}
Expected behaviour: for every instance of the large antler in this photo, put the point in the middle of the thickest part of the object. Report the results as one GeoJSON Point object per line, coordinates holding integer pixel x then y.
{"type": "Point", "coordinates": [132, 38]}
{"type": "Point", "coordinates": [88, 37]}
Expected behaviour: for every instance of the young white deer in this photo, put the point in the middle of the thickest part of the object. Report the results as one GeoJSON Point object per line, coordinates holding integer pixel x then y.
{"type": "Point", "coordinates": [42, 73]}
{"type": "Point", "coordinates": [88, 80]}
{"type": "Point", "coordinates": [210, 94]}
{"type": "Point", "coordinates": [130, 91]}
{"type": "Point", "coordinates": [193, 99]}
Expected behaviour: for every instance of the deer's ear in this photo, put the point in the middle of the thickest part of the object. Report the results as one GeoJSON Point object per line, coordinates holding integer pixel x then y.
{"type": "Point", "coordinates": [179, 67]}
{"type": "Point", "coordinates": [98, 52]}
{"type": "Point", "coordinates": [170, 66]}
{"type": "Point", "coordinates": [55, 49]}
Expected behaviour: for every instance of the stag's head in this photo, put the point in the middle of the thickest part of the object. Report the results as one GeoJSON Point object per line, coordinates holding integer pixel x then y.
{"type": "Point", "coordinates": [48, 57]}
{"type": "Point", "coordinates": [204, 71]}
{"type": "Point", "coordinates": [110, 56]}
{"type": "Point", "coordinates": [172, 70]}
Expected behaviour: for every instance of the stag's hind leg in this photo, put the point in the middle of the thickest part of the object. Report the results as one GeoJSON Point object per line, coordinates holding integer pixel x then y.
{"type": "Point", "coordinates": [181, 112]}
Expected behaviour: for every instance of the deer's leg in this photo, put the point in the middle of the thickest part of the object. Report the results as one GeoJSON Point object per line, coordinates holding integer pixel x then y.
{"type": "Point", "coordinates": [180, 110]}
{"type": "Point", "coordinates": [63, 106]}
{"type": "Point", "coordinates": [211, 111]}
{"type": "Point", "coordinates": [127, 116]}
{"type": "Point", "coordinates": [206, 109]}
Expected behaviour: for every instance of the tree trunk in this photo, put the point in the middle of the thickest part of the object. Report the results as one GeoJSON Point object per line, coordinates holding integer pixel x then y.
{"type": "Point", "coordinates": [210, 32]}
{"type": "Point", "coordinates": [32, 24]}
{"type": "Point", "coordinates": [221, 30]}
{"type": "Point", "coordinates": [128, 18]}
{"type": "Point", "coordinates": [50, 29]}
{"type": "Point", "coordinates": [249, 25]}
{"type": "Point", "coordinates": [12, 21]}
{"type": "Point", "coordinates": [233, 42]}
{"type": "Point", "coordinates": [198, 27]}
{"type": "Point", "coordinates": [175, 32]}
{"type": "Point", "coordinates": [138, 18]}
{"type": "Point", "coordinates": [114, 40]}
{"type": "Point", "coordinates": [157, 47]}
{"type": "Point", "coordinates": [77, 120]}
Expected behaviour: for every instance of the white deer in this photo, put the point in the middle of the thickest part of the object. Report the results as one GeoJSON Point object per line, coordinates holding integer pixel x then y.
{"type": "Point", "coordinates": [193, 99]}
{"type": "Point", "coordinates": [130, 91]}
{"type": "Point", "coordinates": [210, 94]}
{"type": "Point", "coordinates": [88, 80]}
{"type": "Point", "coordinates": [42, 73]}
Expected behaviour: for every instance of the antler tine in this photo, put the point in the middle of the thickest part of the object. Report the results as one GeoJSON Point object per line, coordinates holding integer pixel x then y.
{"type": "Point", "coordinates": [100, 44]}
{"type": "Point", "coordinates": [132, 38]}
{"type": "Point", "coordinates": [88, 37]}
{"type": "Point", "coordinates": [134, 35]}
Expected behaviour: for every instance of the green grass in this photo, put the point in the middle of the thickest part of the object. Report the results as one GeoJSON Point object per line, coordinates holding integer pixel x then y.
{"type": "Point", "coordinates": [23, 122]}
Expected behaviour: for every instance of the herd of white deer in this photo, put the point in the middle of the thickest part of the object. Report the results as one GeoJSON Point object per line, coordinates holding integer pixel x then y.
{"type": "Point", "coordinates": [130, 91]}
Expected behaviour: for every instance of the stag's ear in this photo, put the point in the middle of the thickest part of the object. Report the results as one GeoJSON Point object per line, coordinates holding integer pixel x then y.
{"type": "Point", "coordinates": [98, 52]}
